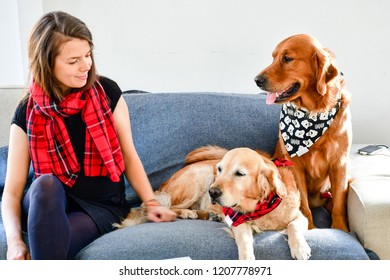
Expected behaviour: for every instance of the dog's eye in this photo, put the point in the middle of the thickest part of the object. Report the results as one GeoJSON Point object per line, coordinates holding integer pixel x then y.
{"type": "Point", "coordinates": [219, 169]}
{"type": "Point", "coordinates": [239, 173]}
{"type": "Point", "coordinates": [287, 59]}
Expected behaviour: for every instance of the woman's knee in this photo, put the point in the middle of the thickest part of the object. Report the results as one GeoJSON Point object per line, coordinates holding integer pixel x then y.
{"type": "Point", "coordinates": [46, 188]}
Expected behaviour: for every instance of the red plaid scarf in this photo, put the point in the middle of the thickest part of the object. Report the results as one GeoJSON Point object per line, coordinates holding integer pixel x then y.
{"type": "Point", "coordinates": [50, 146]}
{"type": "Point", "coordinates": [262, 208]}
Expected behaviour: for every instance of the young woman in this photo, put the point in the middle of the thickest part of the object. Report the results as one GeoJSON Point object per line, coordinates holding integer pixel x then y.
{"type": "Point", "coordinates": [74, 127]}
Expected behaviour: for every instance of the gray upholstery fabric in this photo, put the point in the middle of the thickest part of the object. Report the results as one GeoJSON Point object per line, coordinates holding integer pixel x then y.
{"type": "Point", "coordinates": [205, 240]}
{"type": "Point", "coordinates": [3, 167]}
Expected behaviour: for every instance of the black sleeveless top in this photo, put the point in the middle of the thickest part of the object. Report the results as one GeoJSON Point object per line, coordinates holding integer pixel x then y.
{"type": "Point", "coordinates": [102, 199]}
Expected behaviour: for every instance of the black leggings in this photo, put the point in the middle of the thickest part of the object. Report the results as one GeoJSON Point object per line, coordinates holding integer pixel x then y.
{"type": "Point", "coordinates": [55, 232]}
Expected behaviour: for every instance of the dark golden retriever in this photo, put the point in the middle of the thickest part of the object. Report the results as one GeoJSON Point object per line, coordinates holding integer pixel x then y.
{"type": "Point", "coordinates": [315, 125]}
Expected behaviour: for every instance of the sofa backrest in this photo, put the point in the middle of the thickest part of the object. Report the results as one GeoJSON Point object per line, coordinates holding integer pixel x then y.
{"type": "Point", "coordinates": [166, 126]}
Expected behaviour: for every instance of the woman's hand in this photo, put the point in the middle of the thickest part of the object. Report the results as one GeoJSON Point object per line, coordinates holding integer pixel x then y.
{"type": "Point", "coordinates": [18, 251]}
{"type": "Point", "coordinates": [160, 214]}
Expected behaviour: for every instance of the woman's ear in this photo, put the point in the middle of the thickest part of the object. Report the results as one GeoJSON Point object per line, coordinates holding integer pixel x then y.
{"type": "Point", "coordinates": [326, 70]}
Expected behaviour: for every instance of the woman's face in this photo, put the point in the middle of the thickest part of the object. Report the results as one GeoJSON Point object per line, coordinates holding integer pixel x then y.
{"type": "Point", "coordinates": [72, 64]}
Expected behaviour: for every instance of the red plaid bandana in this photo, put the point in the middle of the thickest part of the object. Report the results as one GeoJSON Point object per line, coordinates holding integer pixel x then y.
{"type": "Point", "coordinates": [281, 162]}
{"type": "Point", "coordinates": [50, 146]}
{"type": "Point", "coordinates": [262, 208]}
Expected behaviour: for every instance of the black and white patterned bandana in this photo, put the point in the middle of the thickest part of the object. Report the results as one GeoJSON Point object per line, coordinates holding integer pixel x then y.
{"type": "Point", "coordinates": [300, 130]}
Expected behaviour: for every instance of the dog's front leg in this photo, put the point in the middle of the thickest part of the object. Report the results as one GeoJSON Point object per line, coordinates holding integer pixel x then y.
{"type": "Point", "coordinates": [339, 189]}
{"type": "Point", "coordinates": [244, 240]}
{"type": "Point", "coordinates": [299, 248]}
{"type": "Point", "coordinates": [305, 208]}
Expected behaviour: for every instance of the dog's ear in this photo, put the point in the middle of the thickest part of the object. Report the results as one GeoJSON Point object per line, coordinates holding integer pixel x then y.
{"type": "Point", "coordinates": [263, 185]}
{"type": "Point", "coordinates": [273, 183]}
{"type": "Point", "coordinates": [327, 71]}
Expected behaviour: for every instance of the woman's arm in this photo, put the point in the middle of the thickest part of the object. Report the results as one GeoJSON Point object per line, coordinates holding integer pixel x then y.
{"type": "Point", "coordinates": [134, 170]}
{"type": "Point", "coordinates": [17, 171]}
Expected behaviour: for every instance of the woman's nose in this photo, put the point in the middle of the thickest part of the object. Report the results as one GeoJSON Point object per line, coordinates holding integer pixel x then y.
{"type": "Point", "coordinates": [86, 64]}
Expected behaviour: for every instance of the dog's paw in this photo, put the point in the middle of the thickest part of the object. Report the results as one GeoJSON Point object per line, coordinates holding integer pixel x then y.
{"type": "Point", "coordinates": [187, 214]}
{"type": "Point", "coordinates": [215, 217]}
{"type": "Point", "coordinates": [340, 224]}
{"type": "Point", "coordinates": [302, 252]}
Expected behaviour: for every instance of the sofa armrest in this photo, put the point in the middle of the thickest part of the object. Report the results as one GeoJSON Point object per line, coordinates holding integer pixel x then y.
{"type": "Point", "coordinates": [3, 167]}
{"type": "Point", "coordinates": [369, 200]}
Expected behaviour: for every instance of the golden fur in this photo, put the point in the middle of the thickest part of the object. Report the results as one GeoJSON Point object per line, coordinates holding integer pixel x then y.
{"type": "Point", "coordinates": [244, 177]}
{"type": "Point", "coordinates": [300, 60]}
{"type": "Point", "coordinates": [214, 168]}
{"type": "Point", "coordinates": [186, 191]}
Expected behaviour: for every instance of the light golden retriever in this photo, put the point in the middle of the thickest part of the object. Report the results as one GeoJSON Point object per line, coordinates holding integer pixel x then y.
{"type": "Point", "coordinates": [315, 126]}
{"type": "Point", "coordinates": [242, 185]}
{"type": "Point", "coordinates": [186, 191]}
{"type": "Point", "coordinates": [246, 182]}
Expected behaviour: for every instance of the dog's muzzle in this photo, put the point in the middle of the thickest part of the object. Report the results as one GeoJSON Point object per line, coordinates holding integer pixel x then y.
{"type": "Point", "coordinates": [215, 193]}
{"type": "Point", "coordinates": [261, 81]}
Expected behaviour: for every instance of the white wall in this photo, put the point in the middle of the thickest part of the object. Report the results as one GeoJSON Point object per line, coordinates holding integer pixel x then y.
{"type": "Point", "coordinates": [11, 66]}
{"type": "Point", "coordinates": [220, 45]}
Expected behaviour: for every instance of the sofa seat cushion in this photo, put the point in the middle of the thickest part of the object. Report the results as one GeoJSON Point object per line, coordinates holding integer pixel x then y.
{"type": "Point", "coordinates": [205, 240]}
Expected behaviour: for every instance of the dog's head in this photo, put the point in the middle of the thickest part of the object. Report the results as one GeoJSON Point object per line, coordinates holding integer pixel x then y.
{"type": "Point", "coordinates": [244, 177]}
{"type": "Point", "coordinates": [302, 72]}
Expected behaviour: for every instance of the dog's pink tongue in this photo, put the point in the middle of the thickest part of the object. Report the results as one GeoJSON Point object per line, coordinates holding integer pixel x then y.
{"type": "Point", "coordinates": [271, 97]}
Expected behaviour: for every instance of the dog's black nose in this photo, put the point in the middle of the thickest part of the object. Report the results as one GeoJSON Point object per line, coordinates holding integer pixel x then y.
{"type": "Point", "coordinates": [260, 81]}
{"type": "Point", "coordinates": [215, 192]}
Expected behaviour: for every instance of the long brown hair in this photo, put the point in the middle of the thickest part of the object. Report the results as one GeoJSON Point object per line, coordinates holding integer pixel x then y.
{"type": "Point", "coordinates": [46, 39]}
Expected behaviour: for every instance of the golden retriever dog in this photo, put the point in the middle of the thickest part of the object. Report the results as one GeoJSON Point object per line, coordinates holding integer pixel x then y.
{"type": "Point", "coordinates": [257, 196]}
{"type": "Point", "coordinates": [186, 191]}
{"type": "Point", "coordinates": [244, 186]}
{"type": "Point", "coordinates": [315, 121]}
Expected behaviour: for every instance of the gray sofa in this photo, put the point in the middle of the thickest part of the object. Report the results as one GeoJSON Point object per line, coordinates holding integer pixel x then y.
{"type": "Point", "coordinates": [166, 126]}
